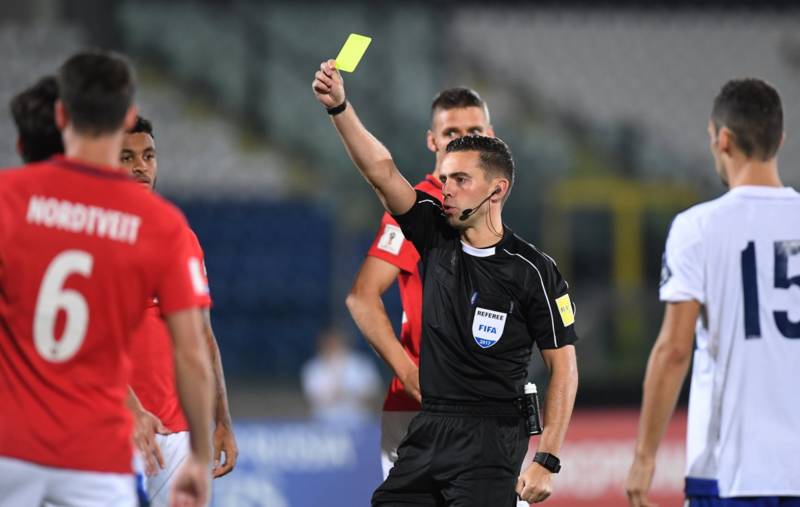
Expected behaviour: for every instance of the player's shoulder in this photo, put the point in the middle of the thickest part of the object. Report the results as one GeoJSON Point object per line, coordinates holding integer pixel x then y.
{"type": "Point", "coordinates": [387, 219]}
{"type": "Point", "coordinates": [192, 237]}
{"type": "Point", "coordinates": [9, 179]}
{"type": "Point", "coordinates": [19, 182]}
{"type": "Point", "coordinates": [696, 218]}
{"type": "Point", "coordinates": [13, 174]}
{"type": "Point", "coordinates": [191, 234]}
{"type": "Point", "coordinates": [163, 213]}
{"type": "Point", "coordinates": [429, 187]}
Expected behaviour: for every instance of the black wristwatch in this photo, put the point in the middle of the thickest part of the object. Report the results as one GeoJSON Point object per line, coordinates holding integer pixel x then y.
{"type": "Point", "coordinates": [333, 111]}
{"type": "Point", "coordinates": [548, 461]}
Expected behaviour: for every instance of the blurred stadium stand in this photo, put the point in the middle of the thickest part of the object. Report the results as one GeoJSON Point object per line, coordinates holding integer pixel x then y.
{"type": "Point", "coordinates": [652, 73]}
{"type": "Point", "coordinates": [604, 108]}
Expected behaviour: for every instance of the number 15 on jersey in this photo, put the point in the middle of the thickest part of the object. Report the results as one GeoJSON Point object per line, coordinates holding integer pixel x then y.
{"type": "Point", "coordinates": [783, 251]}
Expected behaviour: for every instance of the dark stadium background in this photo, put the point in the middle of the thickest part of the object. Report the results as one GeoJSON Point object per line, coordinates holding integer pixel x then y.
{"type": "Point", "coordinates": [604, 105]}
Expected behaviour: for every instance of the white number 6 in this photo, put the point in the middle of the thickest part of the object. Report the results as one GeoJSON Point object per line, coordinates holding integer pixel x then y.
{"type": "Point", "coordinates": [53, 298]}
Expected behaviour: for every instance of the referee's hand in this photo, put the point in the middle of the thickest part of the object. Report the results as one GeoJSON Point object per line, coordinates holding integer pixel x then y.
{"type": "Point", "coordinates": [328, 85]}
{"type": "Point", "coordinates": [640, 477]}
{"type": "Point", "coordinates": [533, 486]}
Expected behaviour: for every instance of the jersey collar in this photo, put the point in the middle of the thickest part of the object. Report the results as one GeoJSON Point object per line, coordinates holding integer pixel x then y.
{"type": "Point", "coordinates": [96, 170]}
{"type": "Point", "coordinates": [489, 250]}
{"type": "Point", "coordinates": [478, 252]}
{"type": "Point", "coordinates": [763, 191]}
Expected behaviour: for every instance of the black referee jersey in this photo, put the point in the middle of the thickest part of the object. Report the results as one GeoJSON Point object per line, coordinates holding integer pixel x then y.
{"type": "Point", "coordinates": [483, 309]}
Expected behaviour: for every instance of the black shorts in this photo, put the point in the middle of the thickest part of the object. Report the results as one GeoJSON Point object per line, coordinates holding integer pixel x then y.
{"type": "Point", "coordinates": [458, 456]}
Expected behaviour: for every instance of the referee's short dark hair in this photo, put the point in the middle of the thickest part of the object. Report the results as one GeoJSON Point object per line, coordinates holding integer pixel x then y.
{"type": "Point", "coordinates": [495, 155]}
{"type": "Point", "coordinates": [142, 126]}
{"type": "Point", "coordinates": [751, 109]}
{"type": "Point", "coordinates": [33, 110]}
{"type": "Point", "coordinates": [96, 88]}
{"type": "Point", "coordinates": [458, 97]}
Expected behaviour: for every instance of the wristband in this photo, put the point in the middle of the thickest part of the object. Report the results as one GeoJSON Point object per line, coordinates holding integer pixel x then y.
{"type": "Point", "coordinates": [548, 461]}
{"type": "Point", "coordinates": [333, 111]}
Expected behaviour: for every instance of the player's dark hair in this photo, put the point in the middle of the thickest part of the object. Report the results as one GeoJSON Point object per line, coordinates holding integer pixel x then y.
{"type": "Point", "coordinates": [142, 126]}
{"type": "Point", "coordinates": [97, 88]}
{"type": "Point", "coordinates": [495, 155]}
{"type": "Point", "coordinates": [33, 110]}
{"type": "Point", "coordinates": [751, 109]}
{"type": "Point", "coordinates": [458, 97]}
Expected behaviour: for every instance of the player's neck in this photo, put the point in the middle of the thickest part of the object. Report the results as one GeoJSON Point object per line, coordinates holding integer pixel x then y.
{"type": "Point", "coordinates": [102, 151]}
{"type": "Point", "coordinates": [755, 173]}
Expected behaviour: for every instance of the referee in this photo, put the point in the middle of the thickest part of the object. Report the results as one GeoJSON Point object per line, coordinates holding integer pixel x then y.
{"type": "Point", "coordinates": [488, 297]}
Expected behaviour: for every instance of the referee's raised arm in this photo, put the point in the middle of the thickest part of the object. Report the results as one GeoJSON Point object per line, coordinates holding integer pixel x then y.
{"type": "Point", "coordinates": [368, 154]}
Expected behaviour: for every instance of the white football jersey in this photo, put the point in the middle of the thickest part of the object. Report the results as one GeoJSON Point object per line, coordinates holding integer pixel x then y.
{"type": "Point", "coordinates": [739, 256]}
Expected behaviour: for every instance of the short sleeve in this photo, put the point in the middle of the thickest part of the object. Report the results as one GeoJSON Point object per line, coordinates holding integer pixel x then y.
{"type": "Point", "coordinates": [180, 284]}
{"type": "Point", "coordinates": [551, 311]}
{"type": "Point", "coordinates": [391, 246]}
{"type": "Point", "coordinates": [425, 224]}
{"type": "Point", "coordinates": [682, 272]}
{"type": "Point", "coordinates": [199, 273]}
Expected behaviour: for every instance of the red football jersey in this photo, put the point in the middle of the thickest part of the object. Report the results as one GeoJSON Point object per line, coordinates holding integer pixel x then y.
{"type": "Point", "coordinates": [81, 247]}
{"type": "Point", "coordinates": [152, 365]}
{"type": "Point", "coordinates": [392, 247]}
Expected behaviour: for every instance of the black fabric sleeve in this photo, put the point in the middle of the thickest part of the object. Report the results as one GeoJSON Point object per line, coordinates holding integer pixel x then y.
{"type": "Point", "coordinates": [424, 224]}
{"type": "Point", "coordinates": [551, 312]}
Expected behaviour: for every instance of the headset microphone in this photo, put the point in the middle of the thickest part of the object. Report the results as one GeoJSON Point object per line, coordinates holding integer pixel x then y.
{"type": "Point", "coordinates": [470, 211]}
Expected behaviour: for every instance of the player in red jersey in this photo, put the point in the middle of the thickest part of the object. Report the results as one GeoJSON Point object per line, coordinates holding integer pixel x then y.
{"type": "Point", "coordinates": [455, 112]}
{"type": "Point", "coordinates": [39, 139]}
{"type": "Point", "coordinates": [153, 372]}
{"type": "Point", "coordinates": [162, 429]}
{"type": "Point", "coordinates": [81, 246]}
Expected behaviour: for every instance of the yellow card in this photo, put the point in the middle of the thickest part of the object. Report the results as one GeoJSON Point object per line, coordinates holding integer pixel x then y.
{"type": "Point", "coordinates": [354, 48]}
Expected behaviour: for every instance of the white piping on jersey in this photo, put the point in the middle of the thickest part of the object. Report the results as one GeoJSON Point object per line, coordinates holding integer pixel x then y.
{"type": "Point", "coordinates": [477, 252]}
{"type": "Point", "coordinates": [429, 201]}
{"type": "Point", "coordinates": [542, 253]}
{"type": "Point", "coordinates": [551, 259]}
{"type": "Point", "coordinates": [546, 297]}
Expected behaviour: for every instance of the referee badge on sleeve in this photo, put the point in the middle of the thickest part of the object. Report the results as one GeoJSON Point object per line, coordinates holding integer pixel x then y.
{"type": "Point", "coordinates": [391, 239]}
{"type": "Point", "coordinates": [565, 310]}
{"type": "Point", "coordinates": [487, 326]}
